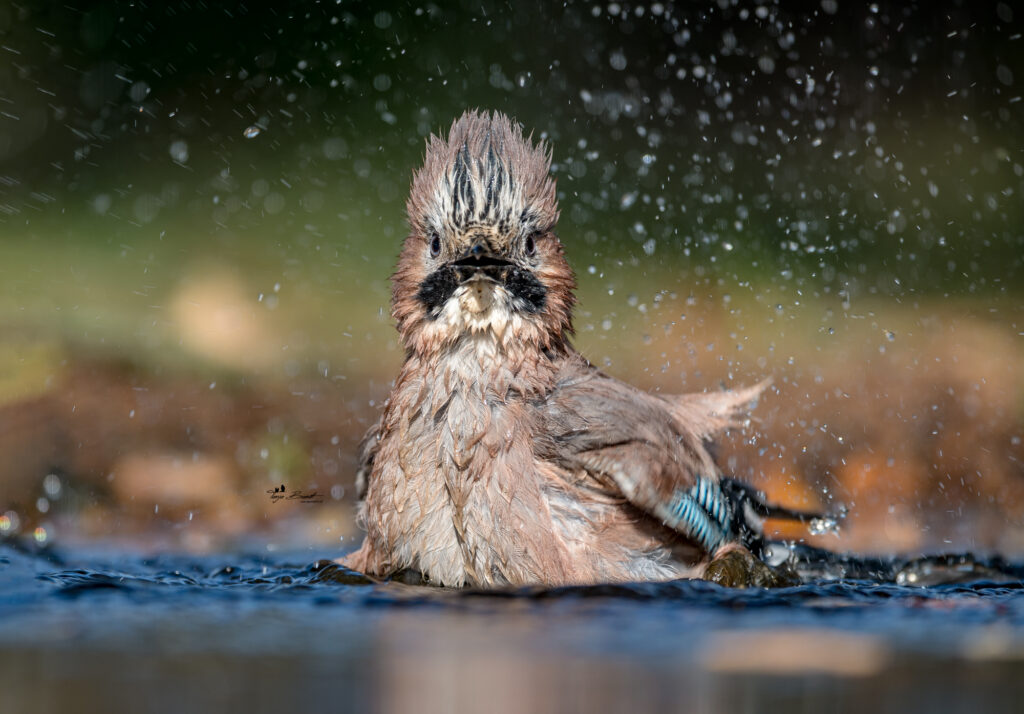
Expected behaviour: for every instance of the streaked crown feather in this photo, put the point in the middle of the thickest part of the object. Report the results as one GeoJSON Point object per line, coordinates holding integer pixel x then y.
{"type": "Point", "coordinates": [484, 173]}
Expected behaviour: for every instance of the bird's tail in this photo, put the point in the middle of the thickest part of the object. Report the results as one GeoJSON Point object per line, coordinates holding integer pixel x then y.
{"type": "Point", "coordinates": [708, 413]}
{"type": "Point", "coordinates": [749, 509]}
{"type": "Point", "coordinates": [714, 512]}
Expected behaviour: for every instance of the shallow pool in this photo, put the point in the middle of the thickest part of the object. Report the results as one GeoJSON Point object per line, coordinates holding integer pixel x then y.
{"type": "Point", "coordinates": [99, 631]}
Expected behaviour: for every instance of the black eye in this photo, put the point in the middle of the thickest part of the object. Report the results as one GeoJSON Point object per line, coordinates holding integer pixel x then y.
{"type": "Point", "coordinates": [435, 245]}
{"type": "Point", "coordinates": [531, 245]}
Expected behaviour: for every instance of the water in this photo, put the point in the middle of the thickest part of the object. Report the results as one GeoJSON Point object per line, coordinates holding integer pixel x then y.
{"type": "Point", "coordinates": [81, 629]}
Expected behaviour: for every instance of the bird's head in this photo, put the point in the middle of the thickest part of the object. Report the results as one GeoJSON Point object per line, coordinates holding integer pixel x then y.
{"type": "Point", "coordinates": [481, 258]}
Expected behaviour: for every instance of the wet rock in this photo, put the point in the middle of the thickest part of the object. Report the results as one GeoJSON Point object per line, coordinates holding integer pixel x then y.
{"type": "Point", "coordinates": [740, 569]}
{"type": "Point", "coordinates": [327, 571]}
{"type": "Point", "coordinates": [950, 570]}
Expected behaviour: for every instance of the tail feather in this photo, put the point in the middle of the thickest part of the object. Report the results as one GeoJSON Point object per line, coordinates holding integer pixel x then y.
{"type": "Point", "coordinates": [698, 512]}
{"type": "Point", "coordinates": [707, 413]}
{"type": "Point", "coordinates": [749, 509]}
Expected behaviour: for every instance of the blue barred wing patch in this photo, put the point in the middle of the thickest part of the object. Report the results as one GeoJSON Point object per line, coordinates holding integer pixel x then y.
{"type": "Point", "coordinates": [702, 513]}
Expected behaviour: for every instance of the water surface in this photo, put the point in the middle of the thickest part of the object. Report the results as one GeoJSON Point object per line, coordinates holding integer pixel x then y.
{"type": "Point", "coordinates": [101, 631]}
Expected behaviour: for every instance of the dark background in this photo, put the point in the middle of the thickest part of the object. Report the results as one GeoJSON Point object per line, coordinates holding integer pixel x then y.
{"type": "Point", "coordinates": [856, 144]}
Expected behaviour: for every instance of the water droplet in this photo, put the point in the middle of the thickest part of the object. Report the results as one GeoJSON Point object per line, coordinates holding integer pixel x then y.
{"type": "Point", "coordinates": [823, 526]}
{"type": "Point", "coordinates": [179, 151]}
{"type": "Point", "coordinates": [138, 92]}
{"type": "Point", "coordinates": [52, 485]}
{"type": "Point", "coordinates": [9, 522]}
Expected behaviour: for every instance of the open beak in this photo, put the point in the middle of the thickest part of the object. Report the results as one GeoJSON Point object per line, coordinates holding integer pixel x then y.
{"type": "Point", "coordinates": [479, 263]}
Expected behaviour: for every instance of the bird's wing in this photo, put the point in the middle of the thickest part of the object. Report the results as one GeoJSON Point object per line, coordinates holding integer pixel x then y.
{"type": "Point", "coordinates": [368, 447]}
{"type": "Point", "coordinates": [649, 448]}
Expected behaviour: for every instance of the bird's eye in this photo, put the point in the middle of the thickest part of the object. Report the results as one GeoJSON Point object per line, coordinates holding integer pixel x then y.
{"type": "Point", "coordinates": [435, 245]}
{"type": "Point", "coordinates": [531, 245]}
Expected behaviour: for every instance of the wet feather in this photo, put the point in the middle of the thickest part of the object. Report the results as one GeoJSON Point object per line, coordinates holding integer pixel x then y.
{"type": "Point", "coordinates": [502, 456]}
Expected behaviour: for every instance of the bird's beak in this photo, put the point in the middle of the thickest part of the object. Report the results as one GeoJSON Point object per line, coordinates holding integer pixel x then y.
{"type": "Point", "coordinates": [479, 262]}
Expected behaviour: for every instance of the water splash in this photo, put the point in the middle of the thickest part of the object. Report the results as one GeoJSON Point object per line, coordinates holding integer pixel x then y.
{"type": "Point", "coordinates": [829, 523]}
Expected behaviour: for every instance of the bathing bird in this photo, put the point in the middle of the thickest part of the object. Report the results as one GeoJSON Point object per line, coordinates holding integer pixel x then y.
{"type": "Point", "coordinates": [502, 456]}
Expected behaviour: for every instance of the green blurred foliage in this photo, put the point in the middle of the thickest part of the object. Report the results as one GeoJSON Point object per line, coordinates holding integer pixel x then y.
{"type": "Point", "coordinates": [823, 153]}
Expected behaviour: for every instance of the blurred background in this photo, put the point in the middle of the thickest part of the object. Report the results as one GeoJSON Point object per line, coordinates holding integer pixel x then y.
{"type": "Point", "coordinates": [201, 203]}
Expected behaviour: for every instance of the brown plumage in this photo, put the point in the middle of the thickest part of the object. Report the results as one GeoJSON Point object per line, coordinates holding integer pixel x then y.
{"type": "Point", "coordinates": [502, 456]}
